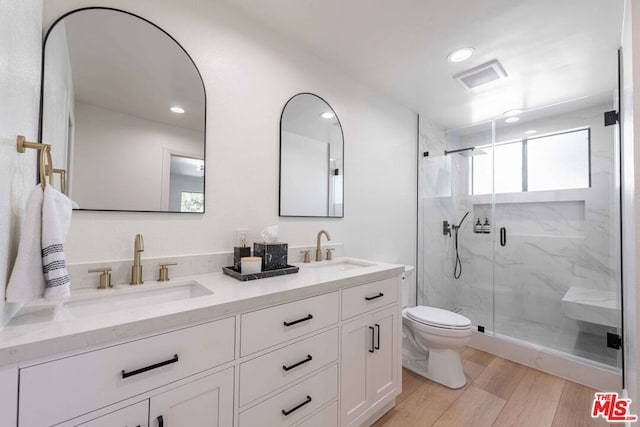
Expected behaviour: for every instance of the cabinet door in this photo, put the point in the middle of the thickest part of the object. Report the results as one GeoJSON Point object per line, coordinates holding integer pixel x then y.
{"type": "Point", "coordinates": [131, 416]}
{"type": "Point", "coordinates": [207, 401]}
{"type": "Point", "coordinates": [356, 346]}
{"type": "Point", "coordinates": [382, 366]}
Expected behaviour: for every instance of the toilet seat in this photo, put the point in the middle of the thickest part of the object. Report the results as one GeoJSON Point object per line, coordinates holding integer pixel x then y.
{"type": "Point", "coordinates": [438, 318]}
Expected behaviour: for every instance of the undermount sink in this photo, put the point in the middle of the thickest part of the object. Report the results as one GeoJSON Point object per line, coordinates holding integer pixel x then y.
{"type": "Point", "coordinates": [342, 264]}
{"type": "Point", "coordinates": [132, 298]}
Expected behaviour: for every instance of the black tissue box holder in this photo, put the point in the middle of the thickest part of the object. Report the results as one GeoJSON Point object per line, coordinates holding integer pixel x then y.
{"type": "Point", "coordinates": [274, 255]}
{"type": "Point", "coordinates": [238, 254]}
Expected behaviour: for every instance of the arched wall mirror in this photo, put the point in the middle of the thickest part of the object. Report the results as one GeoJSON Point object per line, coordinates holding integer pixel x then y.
{"type": "Point", "coordinates": [311, 159]}
{"type": "Point", "coordinates": [123, 107]}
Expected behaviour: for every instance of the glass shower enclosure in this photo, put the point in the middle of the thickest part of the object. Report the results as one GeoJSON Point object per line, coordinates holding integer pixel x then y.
{"type": "Point", "coordinates": [519, 227]}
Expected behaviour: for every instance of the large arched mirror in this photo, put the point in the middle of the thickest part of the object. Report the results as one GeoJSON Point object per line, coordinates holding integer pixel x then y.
{"type": "Point", "coordinates": [123, 107]}
{"type": "Point", "coordinates": [311, 159]}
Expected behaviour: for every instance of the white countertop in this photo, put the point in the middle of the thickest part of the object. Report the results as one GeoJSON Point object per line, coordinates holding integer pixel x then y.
{"type": "Point", "coordinates": [33, 333]}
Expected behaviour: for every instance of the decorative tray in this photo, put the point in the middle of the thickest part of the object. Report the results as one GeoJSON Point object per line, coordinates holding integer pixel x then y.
{"type": "Point", "coordinates": [231, 271]}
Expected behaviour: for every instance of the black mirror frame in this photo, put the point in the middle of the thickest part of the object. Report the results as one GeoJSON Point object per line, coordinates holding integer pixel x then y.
{"type": "Point", "coordinates": [204, 90]}
{"type": "Point", "coordinates": [280, 161]}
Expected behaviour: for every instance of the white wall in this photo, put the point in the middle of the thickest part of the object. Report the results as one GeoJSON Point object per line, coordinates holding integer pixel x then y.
{"type": "Point", "coordinates": [20, 39]}
{"type": "Point", "coordinates": [122, 156]}
{"type": "Point", "coordinates": [249, 74]}
{"type": "Point", "coordinates": [305, 176]}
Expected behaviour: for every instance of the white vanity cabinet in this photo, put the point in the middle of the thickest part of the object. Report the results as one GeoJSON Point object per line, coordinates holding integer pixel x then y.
{"type": "Point", "coordinates": [62, 389]}
{"type": "Point", "coordinates": [136, 415]}
{"type": "Point", "coordinates": [370, 362]}
{"type": "Point", "coordinates": [329, 359]}
{"type": "Point", "coordinates": [207, 401]}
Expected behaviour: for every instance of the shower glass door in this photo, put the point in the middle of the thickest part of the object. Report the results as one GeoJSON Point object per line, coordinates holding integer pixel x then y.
{"type": "Point", "coordinates": [556, 230]}
{"type": "Point", "coordinates": [455, 224]}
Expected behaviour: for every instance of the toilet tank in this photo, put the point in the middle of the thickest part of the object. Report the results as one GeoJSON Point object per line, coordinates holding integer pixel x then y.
{"type": "Point", "coordinates": [409, 287]}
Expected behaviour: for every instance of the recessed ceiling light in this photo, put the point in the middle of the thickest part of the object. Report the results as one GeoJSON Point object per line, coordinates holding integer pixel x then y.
{"type": "Point", "coordinates": [177, 110]}
{"type": "Point", "coordinates": [460, 55]}
{"type": "Point", "coordinates": [327, 115]}
{"type": "Point", "coordinates": [512, 119]}
{"type": "Point", "coordinates": [530, 132]}
{"type": "Point", "coordinates": [512, 113]}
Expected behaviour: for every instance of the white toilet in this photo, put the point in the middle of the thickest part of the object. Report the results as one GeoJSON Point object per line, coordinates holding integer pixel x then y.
{"type": "Point", "coordinates": [432, 340]}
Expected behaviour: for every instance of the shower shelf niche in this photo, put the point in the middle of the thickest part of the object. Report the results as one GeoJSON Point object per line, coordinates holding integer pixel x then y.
{"type": "Point", "coordinates": [559, 219]}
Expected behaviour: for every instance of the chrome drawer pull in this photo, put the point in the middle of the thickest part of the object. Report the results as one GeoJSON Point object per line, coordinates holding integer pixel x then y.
{"type": "Point", "coordinates": [150, 367]}
{"type": "Point", "coordinates": [304, 319]}
{"type": "Point", "coordinates": [295, 365]}
{"type": "Point", "coordinates": [290, 411]}
{"type": "Point", "coordinates": [374, 297]}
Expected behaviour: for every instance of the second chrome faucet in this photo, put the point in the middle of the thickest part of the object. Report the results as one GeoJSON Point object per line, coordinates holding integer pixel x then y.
{"type": "Point", "coordinates": [136, 268]}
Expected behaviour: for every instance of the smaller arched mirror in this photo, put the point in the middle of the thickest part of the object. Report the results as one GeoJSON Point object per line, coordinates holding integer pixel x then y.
{"type": "Point", "coordinates": [311, 159]}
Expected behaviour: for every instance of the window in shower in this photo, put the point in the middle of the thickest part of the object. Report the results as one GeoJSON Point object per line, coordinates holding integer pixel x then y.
{"type": "Point", "coordinates": [508, 157]}
{"type": "Point", "coordinates": [558, 161]}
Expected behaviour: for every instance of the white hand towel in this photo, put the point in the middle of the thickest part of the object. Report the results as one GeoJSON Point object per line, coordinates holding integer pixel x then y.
{"type": "Point", "coordinates": [27, 281]}
{"type": "Point", "coordinates": [56, 220]}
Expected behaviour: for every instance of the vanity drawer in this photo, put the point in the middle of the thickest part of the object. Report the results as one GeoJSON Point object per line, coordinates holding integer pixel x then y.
{"type": "Point", "coordinates": [56, 391]}
{"type": "Point", "coordinates": [298, 401]}
{"type": "Point", "coordinates": [328, 417]}
{"type": "Point", "coordinates": [276, 369]}
{"type": "Point", "coordinates": [271, 326]}
{"type": "Point", "coordinates": [363, 298]}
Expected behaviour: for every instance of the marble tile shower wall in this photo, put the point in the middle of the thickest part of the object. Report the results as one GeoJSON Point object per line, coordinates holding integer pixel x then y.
{"type": "Point", "coordinates": [556, 239]}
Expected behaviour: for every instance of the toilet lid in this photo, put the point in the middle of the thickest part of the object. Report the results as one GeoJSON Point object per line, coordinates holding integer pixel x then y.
{"type": "Point", "coordinates": [438, 317]}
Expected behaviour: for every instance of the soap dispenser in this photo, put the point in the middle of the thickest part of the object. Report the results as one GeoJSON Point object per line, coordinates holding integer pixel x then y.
{"type": "Point", "coordinates": [477, 228]}
{"type": "Point", "coordinates": [486, 227]}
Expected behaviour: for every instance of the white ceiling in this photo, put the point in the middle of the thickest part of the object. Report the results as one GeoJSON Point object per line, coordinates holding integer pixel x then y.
{"type": "Point", "coordinates": [552, 50]}
{"type": "Point", "coordinates": [124, 64]}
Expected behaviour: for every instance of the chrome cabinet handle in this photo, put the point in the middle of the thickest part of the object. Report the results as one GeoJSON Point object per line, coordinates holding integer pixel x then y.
{"type": "Point", "coordinates": [304, 319]}
{"type": "Point", "coordinates": [126, 374]}
{"type": "Point", "coordinates": [292, 410]}
{"type": "Point", "coordinates": [160, 421]}
{"type": "Point", "coordinates": [295, 365]}
{"type": "Point", "coordinates": [377, 347]}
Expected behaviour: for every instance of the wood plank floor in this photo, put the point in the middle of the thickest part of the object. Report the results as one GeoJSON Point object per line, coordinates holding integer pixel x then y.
{"type": "Point", "coordinates": [498, 393]}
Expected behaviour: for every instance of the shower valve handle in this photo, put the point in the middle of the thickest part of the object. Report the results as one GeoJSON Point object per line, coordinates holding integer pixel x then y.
{"type": "Point", "coordinates": [446, 228]}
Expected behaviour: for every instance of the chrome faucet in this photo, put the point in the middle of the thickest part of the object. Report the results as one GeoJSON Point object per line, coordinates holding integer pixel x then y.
{"type": "Point", "coordinates": [318, 250]}
{"type": "Point", "coordinates": [136, 269]}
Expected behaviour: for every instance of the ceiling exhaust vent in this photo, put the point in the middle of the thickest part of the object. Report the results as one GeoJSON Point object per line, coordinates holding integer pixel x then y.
{"type": "Point", "coordinates": [480, 75]}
